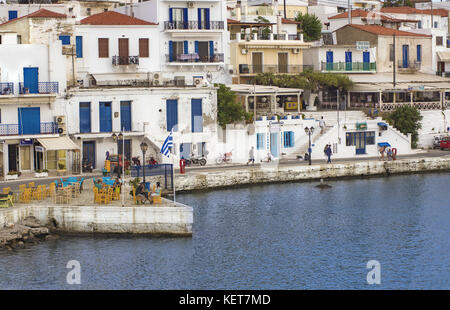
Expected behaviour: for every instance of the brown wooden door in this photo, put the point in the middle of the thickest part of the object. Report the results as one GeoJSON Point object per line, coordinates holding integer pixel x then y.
{"type": "Point", "coordinates": [123, 51]}
{"type": "Point", "coordinates": [283, 62]}
{"type": "Point", "coordinates": [257, 62]}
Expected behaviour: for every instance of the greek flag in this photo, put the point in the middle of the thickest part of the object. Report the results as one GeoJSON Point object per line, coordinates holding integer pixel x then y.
{"type": "Point", "coordinates": [167, 145]}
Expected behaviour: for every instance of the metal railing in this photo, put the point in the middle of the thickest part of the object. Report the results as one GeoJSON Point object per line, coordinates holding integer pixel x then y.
{"type": "Point", "coordinates": [255, 69]}
{"type": "Point", "coordinates": [414, 65]}
{"type": "Point", "coordinates": [14, 129]}
{"type": "Point", "coordinates": [6, 88]}
{"type": "Point", "coordinates": [125, 60]}
{"type": "Point", "coordinates": [443, 74]}
{"type": "Point", "coordinates": [194, 25]}
{"type": "Point", "coordinates": [194, 57]}
{"type": "Point", "coordinates": [264, 37]}
{"type": "Point", "coordinates": [348, 66]}
{"type": "Point", "coordinates": [42, 88]}
{"type": "Point", "coordinates": [164, 170]}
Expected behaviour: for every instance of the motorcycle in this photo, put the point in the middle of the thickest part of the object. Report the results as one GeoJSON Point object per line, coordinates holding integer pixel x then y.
{"type": "Point", "coordinates": [196, 160]}
{"type": "Point", "coordinates": [136, 161]}
{"type": "Point", "coordinates": [86, 166]}
{"type": "Point", "coordinates": [224, 158]}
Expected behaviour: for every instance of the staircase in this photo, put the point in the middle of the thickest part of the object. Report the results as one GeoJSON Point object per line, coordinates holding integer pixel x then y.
{"type": "Point", "coordinates": [330, 117]}
{"type": "Point", "coordinates": [303, 148]}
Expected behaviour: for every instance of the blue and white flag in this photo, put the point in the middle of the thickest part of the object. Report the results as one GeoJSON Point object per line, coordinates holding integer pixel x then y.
{"type": "Point", "coordinates": [167, 145]}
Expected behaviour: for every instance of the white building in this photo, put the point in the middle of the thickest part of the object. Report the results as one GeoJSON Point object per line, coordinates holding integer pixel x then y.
{"type": "Point", "coordinates": [193, 38]}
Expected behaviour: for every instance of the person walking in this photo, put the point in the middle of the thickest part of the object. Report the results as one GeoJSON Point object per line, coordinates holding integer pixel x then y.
{"type": "Point", "coordinates": [328, 152]}
{"type": "Point", "coordinates": [322, 125]}
{"type": "Point", "coordinates": [382, 149]}
{"type": "Point", "coordinates": [251, 156]}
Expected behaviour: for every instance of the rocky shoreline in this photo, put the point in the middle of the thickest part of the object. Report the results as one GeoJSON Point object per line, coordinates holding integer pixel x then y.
{"type": "Point", "coordinates": [27, 232]}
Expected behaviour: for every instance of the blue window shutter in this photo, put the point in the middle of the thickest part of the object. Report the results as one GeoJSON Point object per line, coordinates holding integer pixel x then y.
{"type": "Point", "coordinates": [186, 47]}
{"type": "Point", "coordinates": [79, 46]}
{"type": "Point", "coordinates": [260, 141]}
{"type": "Point", "coordinates": [199, 13]}
{"type": "Point", "coordinates": [105, 117]}
{"type": "Point", "coordinates": [29, 120]}
{"type": "Point", "coordinates": [196, 115]}
{"type": "Point", "coordinates": [185, 18]}
{"type": "Point", "coordinates": [85, 117]}
{"type": "Point", "coordinates": [65, 39]}
{"type": "Point", "coordinates": [125, 115]}
{"type": "Point", "coordinates": [31, 80]}
{"type": "Point", "coordinates": [171, 15]}
{"type": "Point", "coordinates": [196, 47]}
{"type": "Point", "coordinates": [329, 56]}
{"type": "Point", "coordinates": [207, 21]}
{"type": "Point", "coordinates": [170, 51]}
{"type": "Point", "coordinates": [12, 15]}
{"type": "Point", "coordinates": [348, 56]}
{"type": "Point", "coordinates": [211, 48]}
{"type": "Point", "coordinates": [419, 52]}
{"type": "Point", "coordinates": [172, 115]}
{"type": "Point", "coordinates": [292, 141]}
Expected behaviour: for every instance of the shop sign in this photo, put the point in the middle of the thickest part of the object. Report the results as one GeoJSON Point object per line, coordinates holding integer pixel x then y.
{"type": "Point", "coordinates": [39, 148]}
{"type": "Point", "coordinates": [25, 142]}
{"type": "Point", "coordinates": [361, 126]}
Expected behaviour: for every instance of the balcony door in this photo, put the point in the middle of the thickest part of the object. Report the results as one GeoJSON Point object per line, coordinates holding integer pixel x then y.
{"type": "Point", "coordinates": [29, 121]}
{"type": "Point", "coordinates": [123, 51]}
{"type": "Point", "coordinates": [203, 51]}
{"type": "Point", "coordinates": [283, 62]}
{"type": "Point", "coordinates": [366, 60]}
{"type": "Point", "coordinates": [257, 62]}
{"type": "Point", "coordinates": [31, 80]}
{"type": "Point", "coordinates": [329, 60]}
{"type": "Point", "coordinates": [348, 61]}
{"type": "Point", "coordinates": [405, 51]}
{"type": "Point", "coordinates": [203, 18]}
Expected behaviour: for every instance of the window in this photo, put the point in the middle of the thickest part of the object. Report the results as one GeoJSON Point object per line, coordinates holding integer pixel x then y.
{"type": "Point", "coordinates": [288, 139]}
{"type": "Point", "coordinates": [370, 137]}
{"type": "Point", "coordinates": [65, 39]}
{"type": "Point", "coordinates": [103, 48]}
{"type": "Point", "coordinates": [353, 138]}
{"type": "Point", "coordinates": [105, 117]}
{"type": "Point", "coordinates": [172, 115]}
{"type": "Point", "coordinates": [0, 39]}
{"type": "Point", "coordinates": [439, 41]}
{"type": "Point", "coordinates": [85, 117]}
{"type": "Point", "coordinates": [88, 11]}
{"type": "Point", "coordinates": [391, 52]}
{"type": "Point", "coordinates": [79, 46]}
{"type": "Point", "coordinates": [419, 24]}
{"type": "Point", "coordinates": [260, 137]}
{"type": "Point", "coordinates": [12, 15]}
{"type": "Point", "coordinates": [196, 115]}
{"type": "Point", "coordinates": [19, 39]}
{"type": "Point", "coordinates": [436, 25]}
{"type": "Point", "coordinates": [125, 115]}
{"type": "Point", "coordinates": [419, 53]}
{"type": "Point", "coordinates": [143, 48]}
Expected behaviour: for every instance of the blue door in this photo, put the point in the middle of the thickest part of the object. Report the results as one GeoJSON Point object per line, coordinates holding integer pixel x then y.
{"type": "Point", "coordinates": [85, 117]}
{"type": "Point", "coordinates": [125, 115]}
{"type": "Point", "coordinates": [29, 121]}
{"type": "Point", "coordinates": [89, 152]}
{"type": "Point", "coordinates": [185, 150]}
{"type": "Point", "coordinates": [405, 56]}
{"type": "Point", "coordinates": [348, 61]}
{"type": "Point", "coordinates": [360, 143]}
{"type": "Point", "coordinates": [329, 60]}
{"type": "Point", "coordinates": [196, 115]}
{"type": "Point", "coordinates": [12, 15]}
{"type": "Point", "coordinates": [366, 61]}
{"type": "Point", "coordinates": [274, 144]}
{"type": "Point", "coordinates": [172, 115]}
{"type": "Point", "coordinates": [105, 117]}
{"type": "Point", "coordinates": [79, 46]}
{"type": "Point", "coordinates": [31, 79]}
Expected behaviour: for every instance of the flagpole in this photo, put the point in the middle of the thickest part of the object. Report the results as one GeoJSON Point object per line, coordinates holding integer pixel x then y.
{"type": "Point", "coordinates": [173, 169]}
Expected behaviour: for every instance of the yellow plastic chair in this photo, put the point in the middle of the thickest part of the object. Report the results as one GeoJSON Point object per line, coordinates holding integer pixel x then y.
{"type": "Point", "coordinates": [37, 193]}
{"type": "Point", "coordinates": [103, 196]}
{"type": "Point", "coordinates": [22, 187]}
{"type": "Point", "coordinates": [31, 184]}
{"type": "Point", "coordinates": [134, 196]}
{"type": "Point", "coordinates": [50, 190]}
{"type": "Point", "coordinates": [156, 198]}
{"type": "Point", "coordinates": [25, 196]}
{"type": "Point", "coordinates": [116, 193]}
{"type": "Point", "coordinates": [6, 190]}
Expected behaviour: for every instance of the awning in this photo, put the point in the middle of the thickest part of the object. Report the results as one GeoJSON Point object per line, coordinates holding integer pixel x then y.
{"type": "Point", "coordinates": [382, 124]}
{"type": "Point", "coordinates": [384, 144]}
{"type": "Point", "coordinates": [60, 143]}
{"type": "Point", "coordinates": [444, 56]}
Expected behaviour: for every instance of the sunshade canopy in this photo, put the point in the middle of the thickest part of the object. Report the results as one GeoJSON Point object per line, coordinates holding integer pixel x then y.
{"type": "Point", "coordinates": [59, 143]}
{"type": "Point", "coordinates": [384, 144]}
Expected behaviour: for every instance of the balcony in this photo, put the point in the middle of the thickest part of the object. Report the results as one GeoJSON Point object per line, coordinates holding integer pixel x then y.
{"type": "Point", "coordinates": [194, 25]}
{"type": "Point", "coordinates": [409, 65]}
{"type": "Point", "coordinates": [194, 58]}
{"type": "Point", "coordinates": [6, 88]}
{"type": "Point", "coordinates": [348, 66]}
{"type": "Point", "coordinates": [266, 37]}
{"type": "Point", "coordinates": [279, 69]}
{"type": "Point", "coordinates": [42, 88]}
{"type": "Point", "coordinates": [14, 129]}
{"type": "Point", "coordinates": [443, 74]}
{"type": "Point", "coordinates": [125, 60]}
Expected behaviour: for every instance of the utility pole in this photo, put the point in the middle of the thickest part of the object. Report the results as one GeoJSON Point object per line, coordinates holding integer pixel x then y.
{"type": "Point", "coordinates": [349, 10]}
{"type": "Point", "coordinates": [285, 15]}
{"type": "Point", "coordinates": [432, 23]}
{"type": "Point", "coordinates": [395, 64]}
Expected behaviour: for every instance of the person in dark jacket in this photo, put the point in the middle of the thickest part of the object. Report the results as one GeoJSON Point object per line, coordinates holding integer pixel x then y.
{"type": "Point", "coordinates": [328, 152]}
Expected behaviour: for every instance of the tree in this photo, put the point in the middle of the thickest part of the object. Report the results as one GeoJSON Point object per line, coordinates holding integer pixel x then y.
{"type": "Point", "coordinates": [310, 25]}
{"type": "Point", "coordinates": [407, 120]}
{"type": "Point", "coordinates": [264, 31]}
{"type": "Point", "coordinates": [228, 110]}
{"type": "Point", "coordinates": [395, 3]}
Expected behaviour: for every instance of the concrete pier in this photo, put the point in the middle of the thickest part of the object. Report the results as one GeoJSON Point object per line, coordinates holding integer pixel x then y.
{"type": "Point", "coordinates": [170, 218]}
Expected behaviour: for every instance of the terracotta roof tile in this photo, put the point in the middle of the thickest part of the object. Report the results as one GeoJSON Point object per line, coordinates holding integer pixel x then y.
{"type": "Point", "coordinates": [383, 31]}
{"type": "Point", "coordinates": [113, 18]}
{"type": "Point", "coordinates": [42, 13]}
{"type": "Point", "coordinates": [289, 21]}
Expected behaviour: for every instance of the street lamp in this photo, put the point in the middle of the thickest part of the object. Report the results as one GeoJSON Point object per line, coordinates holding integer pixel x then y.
{"type": "Point", "coordinates": [144, 148]}
{"type": "Point", "coordinates": [309, 131]}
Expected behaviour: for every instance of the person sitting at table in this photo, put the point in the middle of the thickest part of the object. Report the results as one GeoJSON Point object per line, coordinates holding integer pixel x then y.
{"type": "Point", "coordinates": [117, 183]}
{"type": "Point", "coordinates": [99, 184]}
{"type": "Point", "coordinates": [141, 193]}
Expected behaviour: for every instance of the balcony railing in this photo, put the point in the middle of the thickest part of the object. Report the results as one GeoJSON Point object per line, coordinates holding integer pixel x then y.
{"type": "Point", "coordinates": [255, 69]}
{"type": "Point", "coordinates": [443, 74]}
{"type": "Point", "coordinates": [348, 66]}
{"type": "Point", "coordinates": [6, 88]}
{"type": "Point", "coordinates": [194, 25]}
{"type": "Point", "coordinates": [264, 36]}
{"type": "Point", "coordinates": [14, 129]}
{"type": "Point", "coordinates": [194, 57]}
{"type": "Point", "coordinates": [413, 65]}
{"type": "Point", "coordinates": [42, 88]}
{"type": "Point", "coordinates": [125, 60]}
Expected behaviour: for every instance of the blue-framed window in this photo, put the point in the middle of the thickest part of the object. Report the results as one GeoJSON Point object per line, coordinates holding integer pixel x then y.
{"type": "Point", "coordinates": [79, 46]}
{"type": "Point", "coordinates": [65, 39]}
{"type": "Point", "coordinates": [196, 115]}
{"type": "Point", "coordinates": [12, 15]}
{"type": "Point", "coordinates": [419, 52]}
{"type": "Point", "coordinates": [260, 139]}
{"type": "Point", "coordinates": [288, 139]}
{"type": "Point", "coordinates": [172, 115]}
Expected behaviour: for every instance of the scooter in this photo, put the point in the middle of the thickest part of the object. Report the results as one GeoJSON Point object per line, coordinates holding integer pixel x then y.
{"type": "Point", "coordinates": [196, 160]}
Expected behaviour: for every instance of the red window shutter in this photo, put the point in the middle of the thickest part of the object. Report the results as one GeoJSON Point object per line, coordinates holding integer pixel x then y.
{"type": "Point", "coordinates": [103, 48]}
{"type": "Point", "coordinates": [143, 48]}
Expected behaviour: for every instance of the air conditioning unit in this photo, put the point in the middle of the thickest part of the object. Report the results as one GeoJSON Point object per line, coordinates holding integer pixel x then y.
{"type": "Point", "coordinates": [198, 81]}
{"type": "Point", "coordinates": [157, 78]}
{"type": "Point", "coordinates": [62, 129]}
{"type": "Point", "coordinates": [296, 50]}
{"type": "Point", "coordinates": [190, 4]}
{"type": "Point", "coordinates": [244, 51]}
{"type": "Point", "coordinates": [60, 120]}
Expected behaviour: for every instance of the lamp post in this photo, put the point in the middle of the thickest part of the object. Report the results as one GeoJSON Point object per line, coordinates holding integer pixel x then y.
{"type": "Point", "coordinates": [144, 148]}
{"type": "Point", "coordinates": [309, 131]}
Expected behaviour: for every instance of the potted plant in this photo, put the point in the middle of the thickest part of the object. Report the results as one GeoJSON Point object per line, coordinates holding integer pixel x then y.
{"type": "Point", "coordinates": [12, 175]}
{"type": "Point", "coordinates": [61, 169]}
{"type": "Point", "coordinates": [41, 173]}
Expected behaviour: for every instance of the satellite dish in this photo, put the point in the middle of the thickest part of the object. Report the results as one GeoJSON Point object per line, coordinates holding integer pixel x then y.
{"type": "Point", "coordinates": [251, 129]}
{"type": "Point", "coordinates": [209, 76]}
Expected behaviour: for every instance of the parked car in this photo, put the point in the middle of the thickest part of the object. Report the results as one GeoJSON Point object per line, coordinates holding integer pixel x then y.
{"type": "Point", "coordinates": [445, 143]}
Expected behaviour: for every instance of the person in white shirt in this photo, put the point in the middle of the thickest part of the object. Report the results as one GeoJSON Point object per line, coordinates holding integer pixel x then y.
{"type": "Point", "coordinates": [322, 125]}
